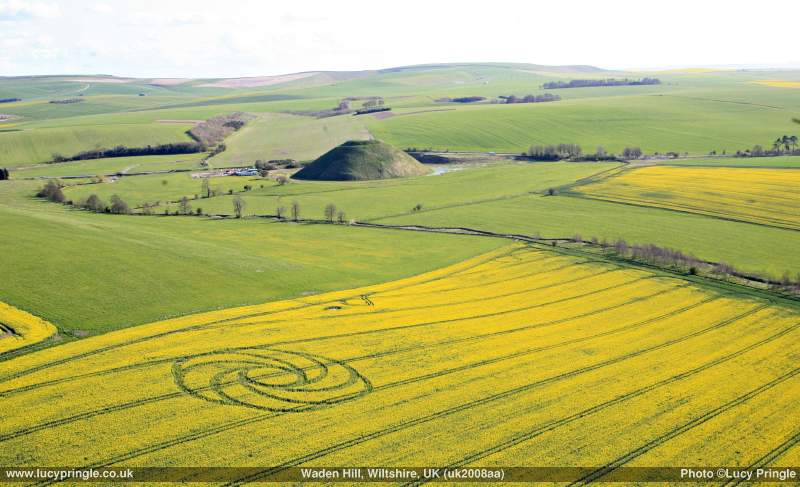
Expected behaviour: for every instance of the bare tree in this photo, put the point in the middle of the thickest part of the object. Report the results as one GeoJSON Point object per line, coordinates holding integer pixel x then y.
{"type": "Point", "coordinates": [238, 206]}
{"type": "Point", "coordinates": [118, 206]}
{"type": "Point", "coordinates": [280, 212]}
{"type": "Point", "coordinates": [341, 216]}
{"type": "Point", "coordinates": [205, 188]}
{"type": "Point", "coordinates": [295, 210]}
{"type": "Point", "coordinates": [282, 180]}
{"type": "Point", "coordinates": [330, 212]}
{"type": "Point", "coordinates": [184, 207]}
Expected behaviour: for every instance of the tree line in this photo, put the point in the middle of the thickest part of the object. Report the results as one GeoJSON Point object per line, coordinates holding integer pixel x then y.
{"type": "Point", "coordinates": [584, 83]}
{"type": "Point", "coordinates": [66, 101]}
{"type": "Point", "coordinates": [547, 97]}
{"type": "Point", "coordinates": [460, 99]}
{"type": "Point", "coordinates": [687, 263]}
{"type": "Point", "coordinates": [784, 145]}
{"type": "Point", "coordinates": [574, 152]}
{"type": "Point", "coordinates": [124, 151]}
{"type": "Point", "coordinates": [52, 191]}
{"type": "Point", "coordinates": [9, 100]}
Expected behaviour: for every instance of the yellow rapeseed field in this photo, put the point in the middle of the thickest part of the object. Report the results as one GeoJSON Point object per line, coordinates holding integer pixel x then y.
{"type": "Point", "coordinates": [523, 356]}
{"type": "Point", "coordinates": [767, 196]}
{"type": "Point", "coordinates": [778, 83]}
{"type": "Point", "coordinates": [20, 329]}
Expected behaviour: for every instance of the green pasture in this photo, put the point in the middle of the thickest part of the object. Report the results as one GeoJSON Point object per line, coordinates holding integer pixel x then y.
{"type": "Point", "coordinates": [98, 167]}
{"type": "Point", "coordinates": [750, 247]}
{"type": "Point", "coordinates": [282, 136]}
{"type": "Point", "coordinates": [654, 123]}
{"type": "Point", "coordinates": [30, 146]}
{"type": "Point", "coordinates": [362, 201]}
{"type": "Point", "coordinates": [95, 273]}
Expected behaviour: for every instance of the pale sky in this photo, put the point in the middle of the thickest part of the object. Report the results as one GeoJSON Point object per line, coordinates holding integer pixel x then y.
{"type": "Point", "coordinates": [217, 38]}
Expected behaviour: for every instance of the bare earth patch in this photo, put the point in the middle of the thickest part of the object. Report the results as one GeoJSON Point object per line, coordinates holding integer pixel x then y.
{"type": "Point", "coordinates": [257, 81]}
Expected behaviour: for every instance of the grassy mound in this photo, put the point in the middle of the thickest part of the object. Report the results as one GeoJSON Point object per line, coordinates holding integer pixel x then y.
{"type": "Point", "coordinates": [359, 160]}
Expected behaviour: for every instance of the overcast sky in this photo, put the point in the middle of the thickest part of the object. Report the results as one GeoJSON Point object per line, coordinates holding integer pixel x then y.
{"type": "Point", "coordinates": [214, 38]}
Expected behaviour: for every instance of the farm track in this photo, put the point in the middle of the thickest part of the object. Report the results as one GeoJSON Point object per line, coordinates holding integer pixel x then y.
{"type": "Point", "coordinates": [145, 401]}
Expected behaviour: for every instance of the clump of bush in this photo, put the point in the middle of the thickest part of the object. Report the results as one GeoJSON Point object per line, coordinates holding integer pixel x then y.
{"type": "Point", "coordinates": [51, 191]}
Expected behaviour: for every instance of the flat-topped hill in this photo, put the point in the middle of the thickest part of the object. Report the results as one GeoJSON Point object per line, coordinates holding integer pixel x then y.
{"type": "Point", "coordinates": [360, 160]}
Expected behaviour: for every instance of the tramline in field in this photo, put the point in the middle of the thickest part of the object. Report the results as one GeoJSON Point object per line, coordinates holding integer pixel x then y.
{"type": "Point", "coordinates": [498, 360]}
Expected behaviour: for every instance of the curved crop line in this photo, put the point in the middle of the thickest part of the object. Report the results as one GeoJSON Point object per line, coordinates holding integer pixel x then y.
{"type": "Point", "coordinates": [228, 320]}
{"type": "Point", "coordinates": [482, 401]}
{"type": "Point", "coordinates": [552, 425]}
{"type": "Point", "coordinates": [485, 400]}
{"type": "Point", "coordinates": [453, 320]}
{"type": "Point", "coordinates": [342, 335]}
{"type": "Point", "coordinates": [173, 395]}
{"type": "Point", "coordinates": [327, 337]}
{"type": "Point", "coordinates": [485, 283]}
{"type": "Point", "coordinates": [602, 471]}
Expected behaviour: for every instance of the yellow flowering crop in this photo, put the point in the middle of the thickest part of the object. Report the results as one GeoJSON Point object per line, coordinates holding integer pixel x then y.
{"type": "Point", "coordinates": [20, 329]}
{"type": "Point", "coordinates": [523, 356]}
{"type": "Point", "coordinates": [767, 196]}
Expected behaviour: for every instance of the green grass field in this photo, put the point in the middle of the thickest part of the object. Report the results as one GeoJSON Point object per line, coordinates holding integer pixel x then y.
{"type": "Point", "coordinates": [281, 136]}
{"type": "Point", "coordinates": [653, 122]}
{"type": "Point", "coordinates": [96, 273]}
{"type": "Point", "coordinates": [386, 198]}
{"type": "Point", "coordinates": [750, 247]}
{"type": "Point", "coordinates": [95, 167]}
{"type": "Point", "coordinates": [29, 146]}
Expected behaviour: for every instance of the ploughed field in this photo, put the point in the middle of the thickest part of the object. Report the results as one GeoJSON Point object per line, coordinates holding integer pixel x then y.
{"type": "Point", "coordinates": [759, 195]}
{"type": "Point", "coordinates": [518, 356]}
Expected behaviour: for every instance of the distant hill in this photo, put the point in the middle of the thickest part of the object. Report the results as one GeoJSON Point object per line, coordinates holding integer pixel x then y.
{"type": "Point", "coordinates": [361, 160]}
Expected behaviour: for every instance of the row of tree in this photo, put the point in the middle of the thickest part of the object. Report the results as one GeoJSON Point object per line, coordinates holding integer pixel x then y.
{"type": "Point", "coordinates": [687, 263]}
{"type": "Point", "coordinates": [9, 100]}
{"type": "Point", "coordinates": [66, 101]}
{"type": "Point", "coordinates": [547, 97]}
{"type": "Point", "coordinates": [123, 151]}
{"type": "Point", "coordinates": [460, 99]}
{"type": "Point", "coordinates": [786, 142]}
{"type": "Point", "coordinates": [554, 152]}
{"type": "Point", "coordinates": [584, 83]}
{"type": "Point", "coordinates": [52, 191]}
{"type": "Point", "coordinates": [575, 152]}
